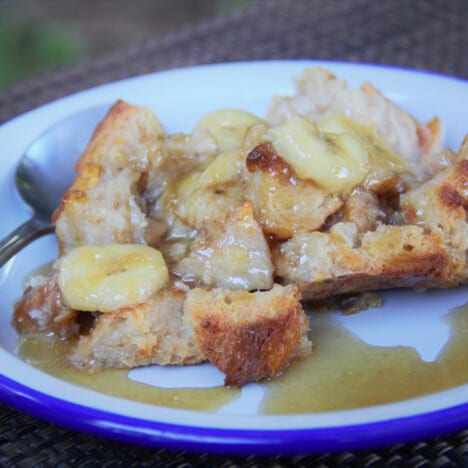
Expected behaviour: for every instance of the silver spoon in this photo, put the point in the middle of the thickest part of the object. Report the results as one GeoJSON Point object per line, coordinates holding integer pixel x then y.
{"type": "Point", "coordinates": [44, 173]}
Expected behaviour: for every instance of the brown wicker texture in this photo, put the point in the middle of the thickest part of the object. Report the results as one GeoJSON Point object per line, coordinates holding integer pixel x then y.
{"type": "Point", "coordinates": [424, 34]}
{"type": "Point", "coordinates": [25, 442]}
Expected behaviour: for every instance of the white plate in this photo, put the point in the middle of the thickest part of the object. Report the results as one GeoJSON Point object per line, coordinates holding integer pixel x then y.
{"type": "Point", "coordinates": [179, 98]}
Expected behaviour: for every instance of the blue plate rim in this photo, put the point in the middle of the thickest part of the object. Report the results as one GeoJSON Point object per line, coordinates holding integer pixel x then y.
{"type": "Point", "coordinates": [217, 440]}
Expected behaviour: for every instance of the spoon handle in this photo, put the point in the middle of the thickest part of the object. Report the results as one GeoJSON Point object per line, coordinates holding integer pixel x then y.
{"type": "Point", "coordinates": [22, 236]}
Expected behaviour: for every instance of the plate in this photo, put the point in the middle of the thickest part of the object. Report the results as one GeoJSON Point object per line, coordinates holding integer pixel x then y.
{"type": "Point", "coordinates": [408, 319]}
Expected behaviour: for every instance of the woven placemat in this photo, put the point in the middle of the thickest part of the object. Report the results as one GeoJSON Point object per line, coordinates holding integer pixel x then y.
{"type": "Point", "coordinates": [424, 34]}
{"type": "Point", "coordinates": [25, 442]}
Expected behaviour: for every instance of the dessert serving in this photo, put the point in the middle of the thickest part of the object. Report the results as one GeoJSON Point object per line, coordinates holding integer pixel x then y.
{"type": "Point", "coordinates": [183, 248]}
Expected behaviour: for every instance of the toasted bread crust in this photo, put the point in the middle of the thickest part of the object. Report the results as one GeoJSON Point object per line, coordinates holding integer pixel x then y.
{"type": "Point", "coordinates": [283, 203]}
{"type": "Point", "coordinates": [102, 205]}
{"type": "Point", "coordinates": [149, 333]}
{"type": "Point", "coordinates": [248, 336]}
{"type": "Point", "coordinates": [391, 256]}
{"type": "Point", "coordinates": [319, 93]}
{"type": "Point", "coordinates": [41, 308]}
{"type": "Point", "coordinates": [441, 206]}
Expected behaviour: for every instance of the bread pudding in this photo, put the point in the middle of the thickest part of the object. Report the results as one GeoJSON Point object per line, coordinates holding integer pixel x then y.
{"type": "Point", "coordinates": [176, 249]}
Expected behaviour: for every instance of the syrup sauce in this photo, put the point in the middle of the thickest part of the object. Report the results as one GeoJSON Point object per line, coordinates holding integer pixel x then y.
{"type": "Point", "coordinates": [343, 373]}
{"type": "Point", "coordinates": [46, 356]}
{"type": "Point", "coordinates": [347, 373]}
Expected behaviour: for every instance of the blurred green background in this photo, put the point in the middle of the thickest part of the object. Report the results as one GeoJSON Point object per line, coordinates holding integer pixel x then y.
{"type": "Point", "coordinates": [37, 36]}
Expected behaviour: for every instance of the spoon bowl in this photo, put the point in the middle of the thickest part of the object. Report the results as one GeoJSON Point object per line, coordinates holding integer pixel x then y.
{"type": "Point", "coordinates": [44, 173]}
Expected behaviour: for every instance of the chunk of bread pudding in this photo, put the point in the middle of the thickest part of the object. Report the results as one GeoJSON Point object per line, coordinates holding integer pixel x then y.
{"type": "Point", "coordinates": [338, 191]}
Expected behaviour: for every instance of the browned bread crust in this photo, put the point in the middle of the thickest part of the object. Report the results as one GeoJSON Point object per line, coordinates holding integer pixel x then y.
{"type": "Point", "coordinates": [148, 333]}
{"type": "Point", "coordinates": [103, 204]}
{"type": "Point", "coordinates": [41, 309]}
{"type": "Point", "coordinates": [392, 256]}
{"type": "Point", "coordinates": [320, 93]}
{"type": "Point", "coordinates": [441, 206]}
{"type": "Point", "coordinates": [248, 336]}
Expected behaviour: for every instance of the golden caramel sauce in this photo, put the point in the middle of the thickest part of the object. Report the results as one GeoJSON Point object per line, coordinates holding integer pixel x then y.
{"type": "Point", "coordinates": [345, 373]}
{"type": "Point", "coordinates": [46, 356]}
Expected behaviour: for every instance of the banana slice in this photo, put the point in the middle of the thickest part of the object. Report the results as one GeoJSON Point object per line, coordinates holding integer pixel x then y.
{"type": "Point", "coordinates": [107, 277]}
{"type": "Point", "coordinates": [335, 161]}
{"type": "Point", "coordinates": [227, 126]}
{"type": "Point", "coordinates": [224, 169]}
{"type": "Point", "coordinates": [380, 153]}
